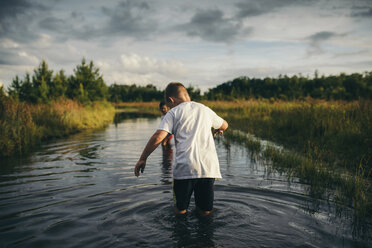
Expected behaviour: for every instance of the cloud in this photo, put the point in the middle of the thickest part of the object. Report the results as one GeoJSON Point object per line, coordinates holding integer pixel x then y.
{"type": "Point", "coordinates": [316, 40]}
{"type": "Point", "coordinates": [10, 57]}
{"type": "Point", "coordinates": [16, 18]}
{"type": "Point", "coordinates": [211, 25]}
{"type": "Point", "coordinates": [365, 11]}
{"type": "Point", "coordinates": [54, 24]}
{"type": "Point", "coordinates": [256, 8]}
{"type": "Point", "coordinates": [130, 18]}
{"type": "Point", "coordinates": [134, 63]}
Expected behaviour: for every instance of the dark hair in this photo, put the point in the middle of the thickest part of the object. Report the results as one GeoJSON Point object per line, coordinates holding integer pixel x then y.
{"type": "Point", "coordinates": [173, 89]}
{"type": "Point", "coordinates": [161, 104]}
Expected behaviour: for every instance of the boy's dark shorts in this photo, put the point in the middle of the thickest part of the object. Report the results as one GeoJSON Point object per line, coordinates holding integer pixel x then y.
{"type": "Point", "coordinates": [203, 193]}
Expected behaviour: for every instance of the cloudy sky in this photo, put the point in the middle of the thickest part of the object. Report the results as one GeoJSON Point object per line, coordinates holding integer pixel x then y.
{"type": "Point", "coordinates": [203, 42]}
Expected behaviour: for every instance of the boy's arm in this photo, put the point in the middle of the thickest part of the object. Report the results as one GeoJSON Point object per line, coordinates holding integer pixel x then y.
{"type": "Point", "coordinates": [152, 144]}
{"type": "Point", "coordinates": [220, 130]}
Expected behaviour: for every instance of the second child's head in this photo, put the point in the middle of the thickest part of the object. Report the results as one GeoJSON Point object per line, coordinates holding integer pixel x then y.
{"type": "Point", "coordinates": [175, 93]}
{"type": "Point", "coordinates": [163, 108]}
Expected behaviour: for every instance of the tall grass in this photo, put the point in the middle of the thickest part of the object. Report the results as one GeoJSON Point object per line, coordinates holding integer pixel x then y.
{"type": "Point", "coordinates": [337, 132]}
{"type": "Point", "coordinates": [327, 146]}
{"type": "Point", "coordinates": [22, 125]}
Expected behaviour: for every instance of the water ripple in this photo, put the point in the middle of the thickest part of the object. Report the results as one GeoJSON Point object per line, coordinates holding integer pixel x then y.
{"type": "Point", "coordinates": [81, 192]}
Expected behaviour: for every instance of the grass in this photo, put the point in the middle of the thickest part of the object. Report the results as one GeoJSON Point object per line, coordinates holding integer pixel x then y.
{"type": "Point", "coordinates": [337, 132]}
{"type": "Point", "coordinates": [327, 146]}
{"type": "Point", "coordinates": [22, 126]}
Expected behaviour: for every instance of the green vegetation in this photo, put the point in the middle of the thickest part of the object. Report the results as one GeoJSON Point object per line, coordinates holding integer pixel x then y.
{"type": "Point", "coordinates": [341, 87]}
{"type": "Point", "coordinates": [23, 125]}
{"type": "Point", "coordinates": [327, 145]}
{"type": "Point", "coordinates": [40, 107]}
{"type": "Point", "coordinates": [326, 181]}
{"type": "Point", "coordinates": [86, 85]}
{"type": "Point", "coordinates": [148, 93]}
{"type": "Point", "coordinates": [335, 131]}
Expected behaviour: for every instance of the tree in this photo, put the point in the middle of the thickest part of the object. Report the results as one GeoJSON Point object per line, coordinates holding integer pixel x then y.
{"type": "Point", "coordinates": [42, 83]}
{"type": "Point", "coordinates": [59, 86]}
{"type": "Point", "coordinates": [87, 79]}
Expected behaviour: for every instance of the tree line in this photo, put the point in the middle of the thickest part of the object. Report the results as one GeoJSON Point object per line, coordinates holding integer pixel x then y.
{"type": "Point", "coordinates": [341, 87]}
{"type": "Point", "coordinates": [87, 85]}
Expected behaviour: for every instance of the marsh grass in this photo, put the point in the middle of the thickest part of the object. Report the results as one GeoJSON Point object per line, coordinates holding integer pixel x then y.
{"type": "Point", "coordinates": [326, 180]}
{"type": "Point", "coordinates": [335, 132]}
{"type": "Point", "coordinates": [23, 126]}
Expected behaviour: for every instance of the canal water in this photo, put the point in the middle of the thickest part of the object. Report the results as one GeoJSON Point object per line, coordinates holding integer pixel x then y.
{"type": "Point", "coordinates": [81, 191]}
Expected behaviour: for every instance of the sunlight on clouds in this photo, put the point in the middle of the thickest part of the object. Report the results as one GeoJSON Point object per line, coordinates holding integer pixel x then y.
{"type": "Point", "coordinates": [29, 57]}
{"type": "Point", "coordinates": [142, 70]}
{"type": "Point", "coordinates": [7, 43]}
{"type": "Point", "coordinates": [144, 65]}
{"type": "Point", "coordinates": [45, 40]}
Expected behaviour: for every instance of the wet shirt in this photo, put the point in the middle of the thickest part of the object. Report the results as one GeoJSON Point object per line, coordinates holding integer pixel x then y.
{"type": "Point", "coordinates": [196, 155]}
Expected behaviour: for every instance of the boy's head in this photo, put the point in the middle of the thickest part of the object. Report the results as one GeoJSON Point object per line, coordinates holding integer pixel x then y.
{"type": "Point", "coordinates": [163, 108]}
{"type": "Point", "coordinates": [175, 93]}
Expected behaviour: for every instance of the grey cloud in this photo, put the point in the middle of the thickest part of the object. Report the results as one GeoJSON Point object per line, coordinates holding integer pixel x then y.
{"type": "Point", "coordinates": [7, 58]}
{"type": "Point", "coordinates": [211, 25]}
{"type": "Point", "coordinates": [11, 57]}
{"type": "Point", "coordinates": [316, 40]}
{"type": "Point", "coordinates": [10, 9]}
{"type": "Point", "coordinates": [16, 18]}
{"type": "Point", "coordinates": [54, 24]}
{"type": "Point", "coordinates": [322, 36]}
{"type": "Point", "coordinates": [130, 18]}
{"type": "Point", "coordinates": [255, 8]}
{"type": "Point", "coordinates": [127, 19]}
{"type": "Point", "coordinates": [362, 12]}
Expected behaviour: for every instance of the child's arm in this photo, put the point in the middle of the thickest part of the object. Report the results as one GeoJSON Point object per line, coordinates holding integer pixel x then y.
{"type": "Point", "coordinates": [152, 144]}
{"type": "Point", "coordinates": [220, 130]}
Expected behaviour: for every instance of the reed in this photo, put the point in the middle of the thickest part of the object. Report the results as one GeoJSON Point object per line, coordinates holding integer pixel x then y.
{"type": "Point", "coordinates": [26, 125]}
{"type": "Point", "coordinates": [337, 132]}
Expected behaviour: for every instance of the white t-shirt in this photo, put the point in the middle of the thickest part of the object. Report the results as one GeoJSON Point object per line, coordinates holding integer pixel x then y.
{"type": "Point", "coordinates": [196, 155]}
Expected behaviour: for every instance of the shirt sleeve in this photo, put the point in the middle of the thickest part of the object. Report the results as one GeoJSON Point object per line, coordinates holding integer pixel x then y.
{"type": "Point", "coordinates": [167, 123]}
{"type": "Point", "coordinates": [216, 120]}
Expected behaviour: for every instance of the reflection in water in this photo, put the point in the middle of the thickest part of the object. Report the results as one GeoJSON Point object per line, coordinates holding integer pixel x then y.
{"type": "Point", "coordinates": [166, 167]}
{"type": "Point", "coordinates": [194, 232]}
{"type": "Point", "coordinates": [119, 117]}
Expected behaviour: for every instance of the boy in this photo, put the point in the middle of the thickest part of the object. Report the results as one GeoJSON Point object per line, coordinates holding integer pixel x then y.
{"type": "Point", "coordinates": [164, 109]}
{"type": "Point", "coordinates": [196, 165]}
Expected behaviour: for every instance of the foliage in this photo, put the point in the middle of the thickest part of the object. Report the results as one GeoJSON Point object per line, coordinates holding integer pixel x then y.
{"type": "Point", "coordinates": [86, 85]}
{"type": "Point", "coordinates": [341, 87]}
{"type": "Point", "coordinates": [134, 93]}
{"type": "Point", "coordinates": [335, 131]}
{"type": "Point", "coordinates": [18, 132]}
{"type": "Point", "coordinates": [23, 125]}
{"type": "Point", "coordinates": [148, 93]}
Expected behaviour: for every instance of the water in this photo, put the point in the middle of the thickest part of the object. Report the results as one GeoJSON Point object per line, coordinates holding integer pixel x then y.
{"type": "Point", "coordinates": [81, 192]}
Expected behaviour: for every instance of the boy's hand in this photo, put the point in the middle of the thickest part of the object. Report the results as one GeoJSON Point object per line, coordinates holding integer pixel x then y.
{"type": "Point", "coordinates": [140, 166]}
{"type": "Point", "coordinates": [217, 131]}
